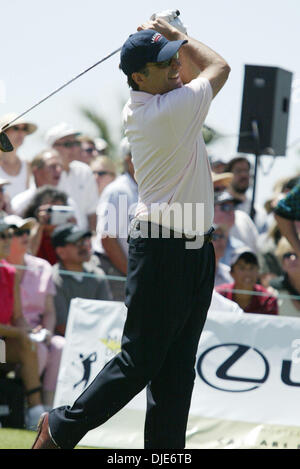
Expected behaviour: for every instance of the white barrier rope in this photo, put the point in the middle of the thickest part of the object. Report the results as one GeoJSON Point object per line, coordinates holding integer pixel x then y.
{"type": "Point", "coordinates": [71, 272]}
{"type": "Point", "coordinates": [123, 279]}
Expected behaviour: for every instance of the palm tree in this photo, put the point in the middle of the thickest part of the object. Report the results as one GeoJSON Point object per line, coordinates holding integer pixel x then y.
{"type": "Point", "coordinates": [102, 127]}
{"type": "Point", "coordinates": [210, 135]}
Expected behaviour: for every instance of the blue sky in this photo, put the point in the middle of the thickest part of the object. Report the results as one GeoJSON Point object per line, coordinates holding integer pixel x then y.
{"type": "Point", "coordinates": [44, 44]}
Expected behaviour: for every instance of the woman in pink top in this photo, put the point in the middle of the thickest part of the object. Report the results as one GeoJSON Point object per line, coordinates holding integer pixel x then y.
{"type": "Point", "coordinates": [15, 331]}
{"type": "Point", "coordinates": [37, 291]}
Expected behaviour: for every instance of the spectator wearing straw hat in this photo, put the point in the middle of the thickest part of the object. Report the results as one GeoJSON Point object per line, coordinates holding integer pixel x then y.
{"type": "Point", "coordinates": [221, 181]}
{"type": "Point", "coordinates": [244, 290]}
{"type": "Point", "coordinates": [75, 275]}
{"type": "Point", "coordinates": [242, 231]}
{"type": "Point", "coordinates": [12, 167]}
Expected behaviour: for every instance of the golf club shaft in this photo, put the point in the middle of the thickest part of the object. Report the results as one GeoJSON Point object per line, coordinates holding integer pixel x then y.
{"type": "Point", "coordinates": [59, 89]}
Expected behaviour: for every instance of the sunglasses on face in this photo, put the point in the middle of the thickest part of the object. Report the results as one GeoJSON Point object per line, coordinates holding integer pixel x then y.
{"type": "Point", "coordinates": [82, 242]}
{"type": "Point", "coordinates": [102, 173]}
{"type": "Point", "coordinates": [89, 150]}
{"type": "Point", "coordinates": [68, 144]}
{"type": "Point", "coordinates": [288, 255]}
{"type": "Point", "coordinates": [6, 235]}
{"type": "Point", "coordinates": [217, 236]}
{"type": "Point", "coordinates": [166, 63]}
{"type": "Point", "coordinates": [20, 233]}
{"type": "Point", "coordinates": [226, 207]}
{"type": "Point", "coordinates": [219, 188]}
{"type": "Point", "coordinates": [20, 128]}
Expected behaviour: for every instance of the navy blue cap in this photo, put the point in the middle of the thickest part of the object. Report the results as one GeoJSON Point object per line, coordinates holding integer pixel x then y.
{"type": "Point", "coordinates": [243, 252]}
{"type": "Point", "coordinates": [68, 233]}
{"type": "Point", "coordinates": [146, 46]}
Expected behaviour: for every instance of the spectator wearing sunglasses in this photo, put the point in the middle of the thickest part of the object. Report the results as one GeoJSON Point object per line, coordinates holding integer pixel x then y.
{"type": "Point", "coordinates": [220, 239]}
{"type": "Point", "coordinates": [12, 167]}
{"type": "Point", "coordinates": [85, 279]}
{"type": "Point", "coordinates": [37, 299]}
{"type": "Point", "coordinates": [242, 230]}
{"type": "Point", "coordinates": [77, 179]}
{"type": "Point", "coordinates": [88, 150]}
{"type": "Point", "coordinates": [14, 329]}
{"type": "Point", "coordinates": [104, 171]}
{"type": "Point", "coordinates": [288, 284]}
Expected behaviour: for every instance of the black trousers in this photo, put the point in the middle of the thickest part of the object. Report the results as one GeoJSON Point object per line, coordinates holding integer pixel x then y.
{"type": "Point", "coordinates": [168, 293]}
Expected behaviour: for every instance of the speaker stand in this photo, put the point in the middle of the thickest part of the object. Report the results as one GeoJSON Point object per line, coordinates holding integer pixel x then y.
{"type": "Point", "coordinates": [255, 134]}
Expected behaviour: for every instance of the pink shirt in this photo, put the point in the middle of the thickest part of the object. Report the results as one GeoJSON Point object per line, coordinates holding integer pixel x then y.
{"type": "Point", "coordinates": [7, 280]}
{"type": "Point", "coordinates": [36, 284]}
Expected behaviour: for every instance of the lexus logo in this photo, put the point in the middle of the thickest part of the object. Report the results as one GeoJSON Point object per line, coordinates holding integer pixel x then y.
{"type": "Point", "coordinates": [243, 369]}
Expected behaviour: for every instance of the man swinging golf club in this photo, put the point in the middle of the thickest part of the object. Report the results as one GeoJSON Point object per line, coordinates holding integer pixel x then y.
{"type": "Point", "coordinates": [169, 285]}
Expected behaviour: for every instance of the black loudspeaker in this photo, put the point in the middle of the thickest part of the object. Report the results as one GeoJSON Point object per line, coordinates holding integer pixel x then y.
{"type": "Point", "coordinates": [265, 110]}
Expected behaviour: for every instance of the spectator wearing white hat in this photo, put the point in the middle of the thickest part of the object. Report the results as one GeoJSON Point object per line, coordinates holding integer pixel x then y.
{"type": "Point", "coordinates": [46, 168]}
{"type": "Point", "coordinates": [5, 206]}
{"type": "Point", "coordinates": [101, 146]}
{"type": "Point", "coordinates": [242, 230]}
{"type": "Point", "coordinates": [12, 167]}
{"type": "Point", "coordinates": [116, 207]}
{"type": "Point", "coordinates": [77, 179]}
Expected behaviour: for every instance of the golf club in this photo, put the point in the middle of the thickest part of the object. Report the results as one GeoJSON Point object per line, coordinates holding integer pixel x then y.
{"type": "Point", "coordinates": [5, 144]}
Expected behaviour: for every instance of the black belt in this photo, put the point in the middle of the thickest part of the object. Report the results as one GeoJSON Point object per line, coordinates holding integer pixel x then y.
{"type": "Point", "coordinates": [148, 230]}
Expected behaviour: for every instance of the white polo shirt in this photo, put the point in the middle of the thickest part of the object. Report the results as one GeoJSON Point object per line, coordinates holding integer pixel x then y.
{"type": "Point", "coordinates": [115, 210]}
{"type": "Point", "coordinates": [170, 158]}
{"type": "Point", "coordinates": [79, 183]}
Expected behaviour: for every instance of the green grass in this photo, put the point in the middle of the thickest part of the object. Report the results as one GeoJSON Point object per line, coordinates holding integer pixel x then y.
{"type": "Point", "coordinates": [11, 438]}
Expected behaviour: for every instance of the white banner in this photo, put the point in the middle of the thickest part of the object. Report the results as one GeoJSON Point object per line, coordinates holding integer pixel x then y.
{"type": "Point", "coordinates": [247, 370]}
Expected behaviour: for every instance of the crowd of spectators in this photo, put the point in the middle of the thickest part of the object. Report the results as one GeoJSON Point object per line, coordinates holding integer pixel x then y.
{"type": "Point", "coordinates": [64, 218]}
